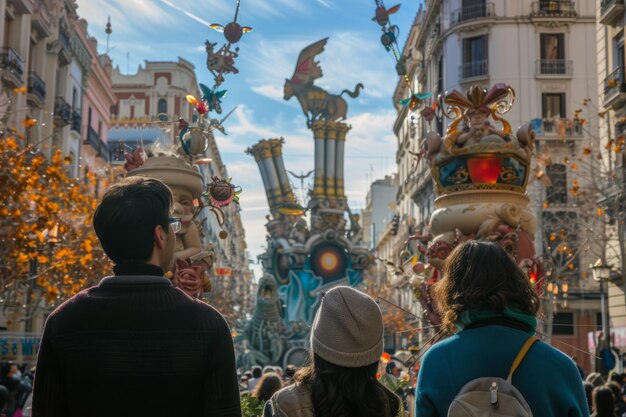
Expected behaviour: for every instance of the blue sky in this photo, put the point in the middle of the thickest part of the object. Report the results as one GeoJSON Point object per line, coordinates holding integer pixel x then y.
{"type": "Point", "coordinates": [160, 30]}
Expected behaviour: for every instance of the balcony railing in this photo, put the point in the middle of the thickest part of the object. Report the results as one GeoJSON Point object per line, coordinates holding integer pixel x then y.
{"type": "Point", "coordinates": [36, 87]}
{"type": "Point", "coordinates": [62, 112]}
{"type": "Point", "coordinates": [93, 139]}
{"type": "Point", "coordinates": [611, 10]}
{"type": "Point", "coordinates": [474, 69]}
{"type": "Point", "coordinates": [614, 84]}
{"type": "Point", "coordinates": [557, 128]}
{"type": "Point", "coordinates": [76, 121]}
{"type": "Point", "coordinates": [478, 11]}
{"type": "Point", "coordinates": [554, 67]}
{"type": "Point", "coordinates": [554, 8]}
{"type": "Point", "coordinates": [12, 62]}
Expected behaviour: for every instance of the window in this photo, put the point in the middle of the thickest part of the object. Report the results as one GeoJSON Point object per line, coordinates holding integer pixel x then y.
{"type": "Point", "coordinates": [552, 53]}
{"type": "Point", "coordinates": [89, 117]}
{"type": "Point", "coordinates": [474, 57]}
{"type": "Point", "coordinates": [563, 324]}
{"type": "Point", "coordinates": [553, 105]}
{"type": "Point", "coordinates": [473, 9]}
{"type": "Point", "coordinates": [552, 46]}
{"type": "Point", "coordinates": [556, 194]}
{"type": "Point", "coordinates": [618, 54]}
{"type": "Point", "coordinates": [162, 106]}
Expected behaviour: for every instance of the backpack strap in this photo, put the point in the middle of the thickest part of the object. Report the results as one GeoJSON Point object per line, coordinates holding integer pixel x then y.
{"type": "Point", "coordinates": [520, 356]}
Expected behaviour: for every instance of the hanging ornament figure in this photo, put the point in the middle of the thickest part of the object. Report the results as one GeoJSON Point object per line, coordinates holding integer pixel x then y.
{"type": "Point", "coordinates": [233, 31]}
{"type": "Point", "coordinates": [222, 61]}
{"type": "Point", "coordinates": [382, 13]}
{"type": "Point", "coordinates": [388, 39]}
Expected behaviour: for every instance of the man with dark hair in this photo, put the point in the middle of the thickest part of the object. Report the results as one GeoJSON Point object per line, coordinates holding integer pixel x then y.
{"type": "Point", "coordinates": [135, 344]}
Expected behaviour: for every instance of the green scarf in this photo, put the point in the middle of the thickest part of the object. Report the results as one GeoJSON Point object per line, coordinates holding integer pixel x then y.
{"type": "Point", "coordinates": [474, 315]}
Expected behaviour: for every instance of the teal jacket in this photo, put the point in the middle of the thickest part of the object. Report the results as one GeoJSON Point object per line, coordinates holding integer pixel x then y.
{"type": "Point", "coordinates": [547, 378]}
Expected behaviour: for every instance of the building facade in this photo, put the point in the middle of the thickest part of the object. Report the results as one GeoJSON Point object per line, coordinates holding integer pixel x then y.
{"type": "Point", "coordinates": [455, 44]}
{"type": "Point", "coordinates": [611, 16]}
{"type": "Point", "coordinates": [378, 213]}
{"type": "Point", "coordinates": [98, 99]}
{"type": "Point", "coordinates": [155, 93]}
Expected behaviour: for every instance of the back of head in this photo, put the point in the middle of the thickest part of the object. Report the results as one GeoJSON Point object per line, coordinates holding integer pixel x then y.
{"type": "Point", "coordinates": [257, 371]}
{"type": "Point", "coordinates": [127, 216]}
{"type": "Point", "coordinates": [615, 376]}
{"type": "Point", "coordinates": [603, 403]}
{"type": "Point", "coordinates": [348, 328]}
{"type": "Point", "coordinates": [346, 344]}
{"type": "Point", "coordinates": [290, 371]}
{"type": "Point", "coordinates": [595, 379]}
{"type": "Point", "coordinates": [616, 389]}
{"type": "Point", "coordinates": [267, 386]}
{"type": "Point", "coordinates": [482, 275]}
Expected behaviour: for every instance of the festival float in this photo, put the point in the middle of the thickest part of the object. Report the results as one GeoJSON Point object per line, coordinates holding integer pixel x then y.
{"type": "Point", "coordinates": [309, 249]}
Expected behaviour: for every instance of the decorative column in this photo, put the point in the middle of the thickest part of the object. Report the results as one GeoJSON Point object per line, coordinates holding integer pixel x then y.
{"type": "Point", "coordinates": [319, 129]}
{"type": "Point", "coordinates": [329, 165]}
{"type": "Point", "coordinates": [276, 146]}
{"type": "Point", "coordinates": [262, 152]}
{"type": "Point", "coordinates": [342, 131]}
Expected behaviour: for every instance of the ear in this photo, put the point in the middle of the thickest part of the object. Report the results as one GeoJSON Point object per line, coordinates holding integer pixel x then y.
{"type": "Point", "coordinates": [159, 237]}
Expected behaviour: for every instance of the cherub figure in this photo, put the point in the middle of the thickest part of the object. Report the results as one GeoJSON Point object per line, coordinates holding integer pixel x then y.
{"type": "Point", "coordinates": [478, 127]}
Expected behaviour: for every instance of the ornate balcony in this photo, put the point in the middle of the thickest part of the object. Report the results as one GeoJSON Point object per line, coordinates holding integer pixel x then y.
{"type": "Point", "coordinates": [65, 52]}
{"type": "Point", "coordinates": [12, 66]}
{"type": "Point", "coordinates": [62, 112]}
{"type": "Point", "coordinates": [76, 121]}
{"type": "Point", "coordinates": [614, 88]}
{"type": "Point", "coordinates": [557, 129]}
{"type": "Point", "coordinates": [554, 8]}
{"type": "Point", "coordinates": [554, 68]}
{"type": "Point", "coordinates": [464, 14]}
{"type": "Point", "coordinates": [36, 96]}
{"type": "Point", "coordinates": [475, 70]}
{"type": "Point", "coordinates": [611, 11]}
{"type": "Point", "coordinates": [93, 140]}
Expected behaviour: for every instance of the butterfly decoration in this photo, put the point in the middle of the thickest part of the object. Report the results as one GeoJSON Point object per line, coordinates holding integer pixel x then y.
{"type": "Point", "coordinates": [233, 31]}
{"type": "Point", "coordinates": [212, 98]}
{"type": "Point", "coordinates": [416, 101]}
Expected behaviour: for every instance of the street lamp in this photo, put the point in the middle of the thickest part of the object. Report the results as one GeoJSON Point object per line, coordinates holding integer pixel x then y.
{"type": "Point", "coordinates": [602, 272]}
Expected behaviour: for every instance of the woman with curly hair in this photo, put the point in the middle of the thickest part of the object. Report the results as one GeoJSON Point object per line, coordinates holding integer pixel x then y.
{"type": "Point", "coordinates": [346, 345]}
{"type": "Point", "coordinates": [488, 307]}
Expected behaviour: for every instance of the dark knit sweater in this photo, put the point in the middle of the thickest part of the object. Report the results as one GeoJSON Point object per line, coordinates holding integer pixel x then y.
{"type": "Point", "coordinates": [135, 345]}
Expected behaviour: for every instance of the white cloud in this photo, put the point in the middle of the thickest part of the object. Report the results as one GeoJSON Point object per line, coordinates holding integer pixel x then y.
{"type": "Point", "coordinates": [271, 91]}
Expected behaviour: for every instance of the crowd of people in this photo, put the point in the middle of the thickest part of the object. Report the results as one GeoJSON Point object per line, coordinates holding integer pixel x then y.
{"type": "Point", "coordinates": [606, 396]}
{"type": "Point", "coordinates": [16, 385]}
{"type": "Point", "coordinates": [135, 345]}
{"type": "Point", "coordinates": [263, 383]}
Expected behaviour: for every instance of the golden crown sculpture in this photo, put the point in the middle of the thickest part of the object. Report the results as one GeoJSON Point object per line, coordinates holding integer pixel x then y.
{"type": "Point", "coordinates": [480, 156]}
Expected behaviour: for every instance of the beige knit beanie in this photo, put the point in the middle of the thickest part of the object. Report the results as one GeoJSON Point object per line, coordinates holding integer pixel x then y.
{"type": "Point", "coordinates": [348, 328]}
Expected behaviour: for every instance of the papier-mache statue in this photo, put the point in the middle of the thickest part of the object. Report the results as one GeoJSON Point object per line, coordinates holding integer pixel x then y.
{"type": "Point", "coordinates": [192, 259]}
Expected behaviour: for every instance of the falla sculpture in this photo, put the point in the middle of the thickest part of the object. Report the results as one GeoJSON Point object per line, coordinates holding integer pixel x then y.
{"type": "Point", "coordinates": [480, 170]}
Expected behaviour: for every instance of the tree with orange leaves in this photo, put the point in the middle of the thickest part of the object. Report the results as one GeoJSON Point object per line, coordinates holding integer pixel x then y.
{"type": "Point", "coordinates": [49, 251]}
